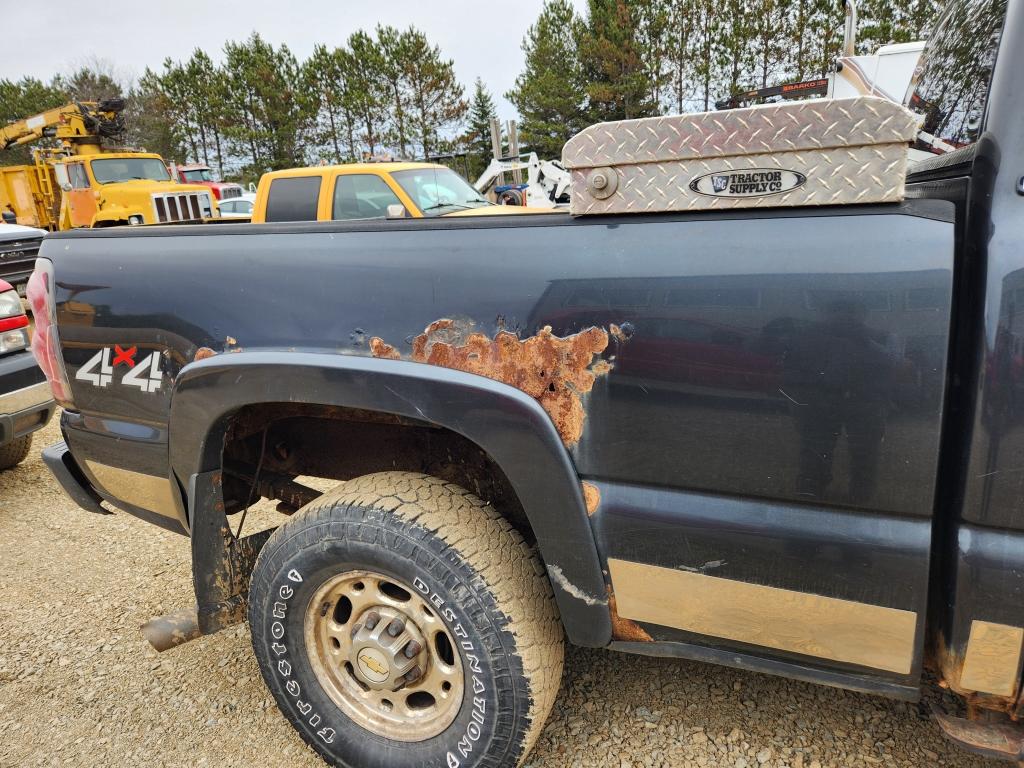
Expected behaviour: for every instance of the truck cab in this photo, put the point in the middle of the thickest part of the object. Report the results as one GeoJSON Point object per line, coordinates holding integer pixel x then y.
{"type": "Point", "coordinates": [368, 191]}
{"type": "Point", "coordinates": [115, 188]}
{"type": "Point", "coordinates": [198, 173]}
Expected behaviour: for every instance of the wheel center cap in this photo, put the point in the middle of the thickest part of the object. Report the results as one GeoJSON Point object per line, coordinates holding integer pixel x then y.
{"type": "Point", "coordinates": [374, 665]}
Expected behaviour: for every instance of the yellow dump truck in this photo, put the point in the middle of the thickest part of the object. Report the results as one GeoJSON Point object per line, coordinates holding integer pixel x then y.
{"type": "Point", "coordinates": [87, 182]}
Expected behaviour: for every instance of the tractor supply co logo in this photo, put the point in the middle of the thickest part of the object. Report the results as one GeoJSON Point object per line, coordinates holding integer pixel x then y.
{"type": "Point", "coordinates": [753, 182]}
{"type": "Point", "coordinates": [100, 369]}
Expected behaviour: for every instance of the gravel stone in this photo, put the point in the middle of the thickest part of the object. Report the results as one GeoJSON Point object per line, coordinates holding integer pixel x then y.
{"type": "Point", "coordinates": [80, 687]}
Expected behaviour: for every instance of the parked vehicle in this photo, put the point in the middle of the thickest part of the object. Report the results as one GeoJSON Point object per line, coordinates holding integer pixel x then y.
{"type": "Point", "coordinates": [546, 186]}
{"type": "Point", "coordinates": [26, 404]}
{"type": "Point", "coordinates": [197, 173]}
{"type": "Point", "coordinates": [757, 402]}
{"type": "Point", "coordinates": [18, 248]}
{"type": "Point", "coordinates": [238, 207]}
{"type": "Point", "coordinates": [86, 181]}
{"type": "Point", "coordinates": [368, 191]}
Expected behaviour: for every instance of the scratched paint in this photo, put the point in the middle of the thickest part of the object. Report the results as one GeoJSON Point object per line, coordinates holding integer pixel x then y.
{"type": "Point", "coordinates": [556, 371]}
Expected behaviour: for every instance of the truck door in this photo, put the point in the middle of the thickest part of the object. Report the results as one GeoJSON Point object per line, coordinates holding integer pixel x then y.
{"type": "Point", "coordinates": [81, 197]}
{"type": "Point", "coordinates": [764, 447]}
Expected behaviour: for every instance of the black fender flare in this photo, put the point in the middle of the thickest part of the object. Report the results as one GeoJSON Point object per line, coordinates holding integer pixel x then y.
{"type": "Point", "coordinates": [503, 421]}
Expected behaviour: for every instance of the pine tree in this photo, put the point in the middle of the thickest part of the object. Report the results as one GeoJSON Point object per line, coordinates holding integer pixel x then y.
{"type": "Point", "coordinates": [549, 93]}
{"type": "Point", "coordinates": [768, 31]}
{"type": "Point", "coordinates": [395, 51]}
{"type": "Point", "coordinates": [326, 82]}
{"type": "Point", "coordinates": [435, 95]}
{"type": "Point", "coordinates": [887, 22]}
{"type": "Point", "coordinates": [677, 86]}
{"type": "Point", "coordinates": [151, 119]}
{"type": "Point", "coordinates": [619, 85]}
{"type": "Point", "coordinates": [267, 110]}
{"type": "Point", "coordinates": [364, 62]}
{"type": "Point", "coordinates": [734, 50]}
{"type": "Point", "coordinates": [478, 138]}
{"type": "Point", "coordinates": [706, 31]}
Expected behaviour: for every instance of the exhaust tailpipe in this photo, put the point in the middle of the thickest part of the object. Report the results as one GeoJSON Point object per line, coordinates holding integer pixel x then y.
{"type": "Point", "coordinates": [172, 629]}
{"type": "Point", "coordinates": [850, 33]}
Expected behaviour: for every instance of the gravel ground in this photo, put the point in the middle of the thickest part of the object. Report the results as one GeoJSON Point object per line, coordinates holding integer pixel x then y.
{"type": "Point", "coordinates": [80, 687]}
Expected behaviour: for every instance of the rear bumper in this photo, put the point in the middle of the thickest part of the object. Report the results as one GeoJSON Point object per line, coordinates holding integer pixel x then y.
{"type": "Point", "coordinates": [25, 400]}
{"type": "Point", "coordinates": [62, 464]}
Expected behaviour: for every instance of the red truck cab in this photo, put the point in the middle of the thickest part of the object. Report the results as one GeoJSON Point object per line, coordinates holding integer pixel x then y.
{"type": "Point", "coordinates": [198, 173]}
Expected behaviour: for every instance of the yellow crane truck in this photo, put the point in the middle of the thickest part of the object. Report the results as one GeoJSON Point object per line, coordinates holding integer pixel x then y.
{"type": "Point", "coordinates": [88, 180]}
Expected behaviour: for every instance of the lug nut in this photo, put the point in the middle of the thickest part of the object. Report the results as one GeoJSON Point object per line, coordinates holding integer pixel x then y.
{"type": "Point", "coordinates": [355, 629]}
{"type": "Point", "coordinates": [396, 627]}
{"type": "Point", "coordinates": [372, 619]}
{"type": "Point", "coordinates": [411, 649]}
{"type": "Point", "coordinates": [408, 678]}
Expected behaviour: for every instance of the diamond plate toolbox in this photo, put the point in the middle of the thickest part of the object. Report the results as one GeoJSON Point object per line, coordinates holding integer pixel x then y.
{"type": "Point", "coordinates": [823, 152]}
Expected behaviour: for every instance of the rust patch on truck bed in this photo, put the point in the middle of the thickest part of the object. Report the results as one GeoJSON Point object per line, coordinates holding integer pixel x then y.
{"type": "Point", "coordinates": [555, 371]}
{"type": "Point", "coordinates": [380, 349]}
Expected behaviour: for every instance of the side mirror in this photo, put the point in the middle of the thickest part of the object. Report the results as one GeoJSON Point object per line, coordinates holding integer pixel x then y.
{"type": "Point", "coordinates": [66, 187]}
{"type": "Point", "coordinates": [397, 211]}
{"type": "Point", "coordinates": [9, 217]}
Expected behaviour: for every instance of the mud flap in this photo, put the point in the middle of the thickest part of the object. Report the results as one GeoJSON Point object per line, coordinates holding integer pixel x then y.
{"type": "Point", "coordinates": [1003, 740]}
{"type": "Point", "coordinates": [221, 563]}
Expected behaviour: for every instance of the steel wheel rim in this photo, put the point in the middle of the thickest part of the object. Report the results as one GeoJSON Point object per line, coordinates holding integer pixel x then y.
{"type": "Point", "coordinates": [351, 664]}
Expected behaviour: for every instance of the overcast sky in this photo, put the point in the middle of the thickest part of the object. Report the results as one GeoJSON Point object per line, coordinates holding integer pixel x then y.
{"type": "Point", "coordinates": [483, 38]}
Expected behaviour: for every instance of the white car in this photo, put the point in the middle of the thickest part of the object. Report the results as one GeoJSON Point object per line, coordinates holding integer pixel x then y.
{"type": "Point", "coordinates": [237, 207]}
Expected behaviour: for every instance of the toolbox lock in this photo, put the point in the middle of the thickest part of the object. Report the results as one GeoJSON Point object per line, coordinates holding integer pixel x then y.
{"type": "Point", "coordinates": [603, 182]}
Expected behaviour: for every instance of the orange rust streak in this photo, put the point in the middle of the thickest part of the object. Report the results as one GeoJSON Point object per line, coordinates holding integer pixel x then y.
{"type": "Point", "coordinates": [378, 348]}
{"type": "Point", "coordinates": [555, 371]}
{"type": "Point", "coordinates": [626, 629]}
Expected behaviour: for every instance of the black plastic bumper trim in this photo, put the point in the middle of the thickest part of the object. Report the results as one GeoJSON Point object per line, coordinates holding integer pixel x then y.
{"type": "Point", "coordinates": [62, 464]}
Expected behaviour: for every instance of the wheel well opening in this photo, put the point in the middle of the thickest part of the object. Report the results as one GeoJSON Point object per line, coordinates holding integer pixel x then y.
{"type": "Point", "coordinates": [300, 440]}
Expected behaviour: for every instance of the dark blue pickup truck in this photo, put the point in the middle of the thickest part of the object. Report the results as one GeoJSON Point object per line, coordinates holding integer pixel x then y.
{"type": "Point", "coordinates": [757, 407]}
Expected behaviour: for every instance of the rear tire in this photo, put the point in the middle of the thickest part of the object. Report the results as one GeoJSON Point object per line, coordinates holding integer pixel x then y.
{"type": "Point", "coordinates": [14, 452]}
{"type": "Point", "coordinates": [512, 197]}
{"type": "Point", "coordinates": [417, 550]}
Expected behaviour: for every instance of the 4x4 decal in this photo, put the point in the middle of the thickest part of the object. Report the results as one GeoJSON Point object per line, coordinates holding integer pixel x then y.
{"type": "Point", "coordinates": [99, 370]}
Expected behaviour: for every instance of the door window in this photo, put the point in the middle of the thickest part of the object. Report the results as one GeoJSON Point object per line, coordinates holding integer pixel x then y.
{"type": "Point", "coordinates": [950, 86]}
{"type": "Point", "coordinates": [362, 196]}
{"type": "Point", "coordinates": [293, 199]}
{"type": "Point", "coordinates": [77, 176]}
